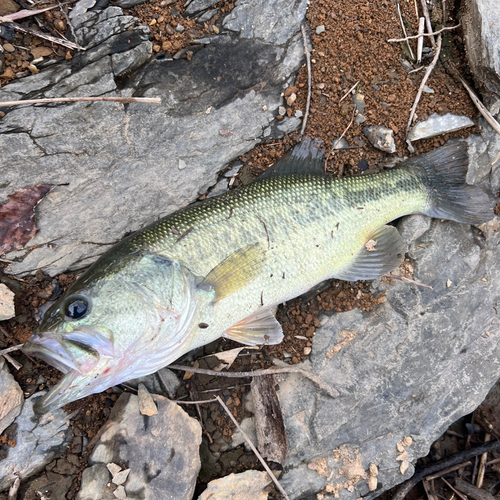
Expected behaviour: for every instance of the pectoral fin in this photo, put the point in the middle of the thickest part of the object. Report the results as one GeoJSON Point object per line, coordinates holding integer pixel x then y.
{"type": "Point", "coordinates": [235, 271]}
{"type": "Point", "coordinates": [259, 328]}
{"type": "Point", "coordinates": [383, 252]}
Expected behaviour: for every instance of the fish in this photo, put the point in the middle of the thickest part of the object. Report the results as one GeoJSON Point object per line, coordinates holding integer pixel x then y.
{"type": "Point", "coordinates": [220, 267]}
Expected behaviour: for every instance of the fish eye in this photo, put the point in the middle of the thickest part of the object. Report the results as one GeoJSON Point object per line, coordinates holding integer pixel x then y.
{"type": "Point", "coordinates": [77, 308]}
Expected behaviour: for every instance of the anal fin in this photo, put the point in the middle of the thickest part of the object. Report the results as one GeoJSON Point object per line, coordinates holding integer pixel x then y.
{"type": "Point", "coordinates": [259, 328]}
{"type": "Point", "coordinates": [383, 252]}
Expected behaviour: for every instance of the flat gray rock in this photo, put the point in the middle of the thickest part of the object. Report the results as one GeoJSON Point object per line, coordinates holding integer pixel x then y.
{"type": "Point", "coordinates": [199, 6]}
{"type": "Point", "coordinates": [94, 484]}
{"type": "Point", "coordinates": [11, 397]}
{"type": "Point", "coordinates": [39, 440]}
{"type": "Point", "coordinates": [408, 369]}
{"type": "Point", "coordinates": [438, 125]}
{"type": "Point", "coordinates": [120, 167]}
{"type": "Point", "coordinates": [161, 451]}
{"type": "Point", "coordinates": [481, 24]}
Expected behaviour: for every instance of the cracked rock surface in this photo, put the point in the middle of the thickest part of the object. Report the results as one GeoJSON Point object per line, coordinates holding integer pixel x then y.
{"type": "Point", "coordinates": [119, 167]}
{"type": "Point", "coordinates": [39, 440]}
{"type": "Point", "coordinates": [161, 451]}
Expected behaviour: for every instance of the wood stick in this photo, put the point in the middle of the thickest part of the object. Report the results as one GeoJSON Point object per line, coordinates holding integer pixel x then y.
{"type": "Point", "coordinates": [404, 31]}
{"type": "Point", "coordinates": [491, 462]}
{"type": "Point", "coordinates": [354, 113]}
{"type": "Point", "coordinates": [428, 21]}
{"type": "Point", "coordinates": [448, 470]}
{"type": "Point", "coordinates": [463, 497]}
{"type": "Point", "coordinates": [420, 90]}
{"type": "Point", "coordinates": [11, 349]}
{"type": "Point", "coordinates": [407, 280]}
{"type": "Point", "coordinates": [428, 490]}
{"type": "Point", "coordinates": [420, 35]}
{"type": "Point", "coordinates": [254, 449]}
{"type": "Point", "coordinates": [258, 373]}
{"type": "Point", "coordinates": [482, 463]}
{"type": "Point", "coordinates": [309, 81]}
{"type": "Point", "coordinates": [457, 458]}
{"type": "Point", "coordinates": [420, 41]}
{"type": "Point", "coordinates": [471, 491]}
{"type": "Point", "coordinates": [155, 100]}
{"type": "Point", "coordinates": [13, 362]}
{"type": "Point", "coordinates": [349, 91]}
{"type": "Point", "coordinates": [14, 489]}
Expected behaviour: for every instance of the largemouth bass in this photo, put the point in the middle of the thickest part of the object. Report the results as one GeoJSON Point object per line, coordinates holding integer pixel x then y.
{"type": "Point", "coordinates": [219, 268]}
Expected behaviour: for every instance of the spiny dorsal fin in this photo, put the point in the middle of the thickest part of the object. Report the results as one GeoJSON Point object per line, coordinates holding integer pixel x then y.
{"type": "Point", "coordinates": [235, 271]}
{"type": "Point", "coordinates": [383, 252]}
{"type": "Point", "coordinates": [259, 328]}
{"type": "Point", "coordinates": [305, 158]}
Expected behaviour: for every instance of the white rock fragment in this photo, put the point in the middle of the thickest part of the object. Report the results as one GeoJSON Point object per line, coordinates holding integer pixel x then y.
{"type": "Point", "coordinates": [121, 477]}
{"type": "Point", "coordinates": [381, 137]}
{"type": "Point", "coordinates": [181, 164]}
{"type": "Point", "coordinates": [320, 29]}
{"type": "Point", "coordinates": [437, 125]}
{"type": "Point", "coordinates": [120, 492]}
{"type": "Point", "coordinates": [251, 484]}
{"type": "Point", "coordinates": [146, 404]}
{"type": "Point", "coordinates": [7, 310]}
{"type": "Point", "coordinates": [114, 469]}
{"type": "Point", "coordinates": [11, 397]}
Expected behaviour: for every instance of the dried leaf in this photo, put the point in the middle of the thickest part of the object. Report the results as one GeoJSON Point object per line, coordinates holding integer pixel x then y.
{"type": "Point", "coordinates": [17, 217]}
{"type": "Point", "coordinates": [228, 357]}
{"type": "Point", "coordinates": [21, 14]}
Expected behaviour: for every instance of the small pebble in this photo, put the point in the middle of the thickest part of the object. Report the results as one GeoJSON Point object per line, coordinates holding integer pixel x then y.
{"type": "Point", "coordinates": [8, 47]}
{"type": "Point", "coordinates": [179, 28]}
{"type": "Point", "coordinates": [320, 29]}
{"type": "Point", "coordinates": [120, 493]}
{"type": "Point", "coordinates": [299, 114]}
{"type": "Point", "coordinates": [281, 110]}
{"type": "Point", "coordinates": [146, 404]}
{"type": "Point", "coordinates": [114, 469]}
{"type": "Point", "coordinates": [121, 477]}
{"type": "Point", "coordinates": [307, 351]}
{"type": "Point", "coordinates": [291, 99]}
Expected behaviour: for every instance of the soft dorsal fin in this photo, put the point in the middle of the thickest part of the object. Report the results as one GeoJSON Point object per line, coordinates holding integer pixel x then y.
{"type": "Point", "coordinates": [259, 328]}
{"type": "Point", "coordinates": [383, 252]}
{"type": "Point", "coordinates": [235, 271]}
{"type": "Point", "coordinates": [305, 158]}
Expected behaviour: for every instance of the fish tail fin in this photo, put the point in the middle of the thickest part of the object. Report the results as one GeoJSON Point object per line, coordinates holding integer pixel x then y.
{"type": "Point", "coordinates": [443, 174]}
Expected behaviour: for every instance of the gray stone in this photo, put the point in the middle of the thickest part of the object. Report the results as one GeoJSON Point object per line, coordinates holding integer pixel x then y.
{"type": "Point", "coordinates": [156, 382]}
{"type": "Point", "coordinates": [248, 427]}
{"type": "Point", "coordinates": [381, 137]}
{"type": "Point", "coordinates": [320, 29]}
{"type": "Point", "coordinates": [289, 124]}
{"type": "Point", "coordinates": [81, 7]}
{"type": "Point", "coordinates": [234, 170]}
{"type": "Point", "coordinates": [437, 125]}
{"type": "Point", "coordinates": [249, 485]}
{"type": "Point", "coordinates": [481, 24]}
{"type": "Point", "coordinates": [220, 188]}
{"type": "Point", "coordinates": [258, 19]}
{"type": "Point", "coordinates": [413, 366]}
{"type": "Point", "coordinates": [199, 6]}
{"type": "Point", "coordinates": [39, 441]}
{"type": "Point", "coordinates": [206, 16]}
{"type": "Point", "coordinates": [94, 151]}
{"type": "Point", "coordinates": [161, 451]}
{"type": "Point", "coordinates": [94, 484]}
{"type": "Point", "coordinates": [11, 397]}
{"type": "Point", "coordinates": [127, 4]}
{"type": "Point", "coordinates": [479, 160]}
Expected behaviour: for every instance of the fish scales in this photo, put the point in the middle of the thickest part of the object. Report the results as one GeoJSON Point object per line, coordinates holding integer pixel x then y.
{"type": "Point", "coordinates": [220, 267]}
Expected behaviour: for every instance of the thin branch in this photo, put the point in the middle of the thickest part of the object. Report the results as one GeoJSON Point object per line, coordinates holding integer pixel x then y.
{"type": "Point", "coordinates": [404, 31]}
{"type": "Point", "coordinates": [420, 90]}
{"type": "Point", "coordinates": [68, 20]}
{"type": "Point", "coordinates": [309, 80]}
{"type": "Point", "coordinates": [457, 458]}
{"type": "Point", "coordinates": [155, 100]}
{"type": "Point", "coordinates": [40, 34]}
{"type": "Point", "coordinates": [424, 34]}
{"type": "Point", "coordinates": [407, 280]}
{"type": "Point", "coordinates": [448, 470]}
{"type": "Point", "coordinates": [195, 402]}
{"type": "Point", "coordinates": [11, 349]}
{"type": "Point", "coordinates": [259, 373]}
{"type": "Point", "coordinates": [463, 497]}
{"type": "Point", "coordinates": [349, 91]}
{"type": "Point", "coordinates": [420, 41]}
{"type": "Point", "coordinates": [428, 21]}
{"type": "Point", "coordinates": [480, 106]}
{"type": "Point", "coordinates": [482, 463]}
{"type": "Point", "coordinates": [254, 449]}
{"type": "Point", "coordinates": [354, 114]}
{"type": "Point", "coordinates": [13, 362]}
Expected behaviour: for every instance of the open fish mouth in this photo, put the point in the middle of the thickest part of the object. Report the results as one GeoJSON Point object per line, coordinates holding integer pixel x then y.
{"type": "Point", "coordinates": [51, 351]}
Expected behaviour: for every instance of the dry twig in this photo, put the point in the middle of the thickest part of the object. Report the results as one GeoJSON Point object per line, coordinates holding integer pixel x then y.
{"type": "Point", "coordinates": [428, 21]}
{"type": "Point", "coordinates": [471, 491]}
{"type": "Point", "coordinates": [482, 463]}
{"type": "Point", "coordinates": [354, 113]}
{"type": "Point", "coordinates": [448, 470]}
{"type": "Point", "coordinates": [14, 489]}
{"type": "Point", "coordinates": [254, 449]}
{"type": "Point", "coordinates": [10, 349]}
{"type": "Point", "coordinates": [457, 458]}
{"type": "Point", "coordinates": [420, 90]}
{"type": "Point", "coordinates": [404, 31]}
{"type": "Point", "coordinates": [41, 34]}
{"type": "Point", "coordinates": [349, 91]}
{"type": "Point", "coordinates": [407, 280]}
{"type": "Point", "coordinates": [309, 80]}
{"type": "Point", "coordinates": [258, 373]}
{"type": "Point", "coordinates": [420, 35]}
{"type": "Point", "coordinates": [463, 497]}
{"type": "Point", "coordinates": [125, 100]}
{"type": "Point", "coordinates": [13, 362]}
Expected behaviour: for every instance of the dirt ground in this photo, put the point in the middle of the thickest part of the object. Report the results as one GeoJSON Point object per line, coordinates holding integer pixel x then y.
{"type": "Point", "coordinates": [352, 52]}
